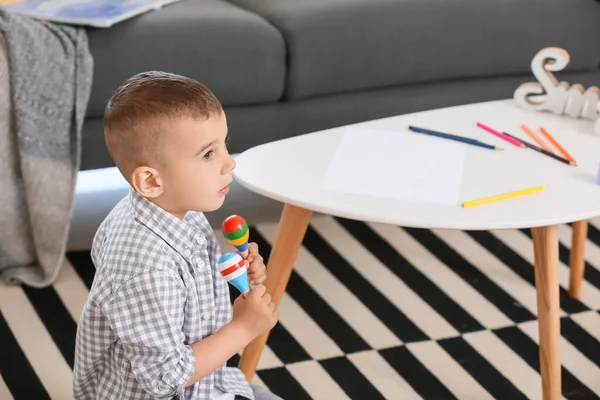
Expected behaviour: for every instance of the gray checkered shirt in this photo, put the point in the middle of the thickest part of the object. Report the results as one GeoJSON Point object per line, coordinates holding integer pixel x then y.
{"type": "Point", "coordinates": [157, 289]}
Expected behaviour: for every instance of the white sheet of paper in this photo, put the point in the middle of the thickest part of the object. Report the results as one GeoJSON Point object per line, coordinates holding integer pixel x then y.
{"type": "Point", "coordinates": [397, 164]}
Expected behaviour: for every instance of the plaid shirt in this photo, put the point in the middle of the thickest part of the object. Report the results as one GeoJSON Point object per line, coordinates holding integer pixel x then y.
{"type": "Point", "coordinates": [157, 290]}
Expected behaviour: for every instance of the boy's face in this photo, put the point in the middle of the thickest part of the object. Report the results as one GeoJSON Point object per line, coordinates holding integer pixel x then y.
{"type": "Point", "coordinates": [197, 167]}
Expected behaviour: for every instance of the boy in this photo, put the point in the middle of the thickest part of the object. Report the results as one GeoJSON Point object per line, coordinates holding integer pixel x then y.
{"type": "Point", "coordinates": [156, 324]}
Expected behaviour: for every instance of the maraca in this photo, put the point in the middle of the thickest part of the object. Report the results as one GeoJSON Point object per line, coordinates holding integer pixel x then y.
{"type": "Point", "coordinates": [236, 232]}
{"type": "Point", "coordinates": [233, 268]}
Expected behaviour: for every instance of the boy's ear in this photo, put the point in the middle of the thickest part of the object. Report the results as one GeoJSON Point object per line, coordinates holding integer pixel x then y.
{"type": "Point", "coordinates": [147, 182]}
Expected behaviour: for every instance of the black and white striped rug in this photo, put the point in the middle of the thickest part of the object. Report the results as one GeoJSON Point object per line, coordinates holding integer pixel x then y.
{"type": "Point", "coordinates": [371, 312]}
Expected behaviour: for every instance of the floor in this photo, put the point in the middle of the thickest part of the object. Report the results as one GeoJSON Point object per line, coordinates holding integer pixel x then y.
{"type": "Point", "coordinates": [371, 312]}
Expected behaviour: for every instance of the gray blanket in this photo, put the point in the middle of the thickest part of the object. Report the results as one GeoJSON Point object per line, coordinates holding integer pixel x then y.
{"type": "Point", "coordinates": [45, 83]}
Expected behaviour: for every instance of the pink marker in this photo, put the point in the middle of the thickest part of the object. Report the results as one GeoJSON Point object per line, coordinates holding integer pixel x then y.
{"type": "Point", "coordinates": [500, 135]}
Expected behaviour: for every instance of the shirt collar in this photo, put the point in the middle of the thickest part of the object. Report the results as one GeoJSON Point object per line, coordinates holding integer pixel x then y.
{"type": "Point", "coordinates": [180, 235]}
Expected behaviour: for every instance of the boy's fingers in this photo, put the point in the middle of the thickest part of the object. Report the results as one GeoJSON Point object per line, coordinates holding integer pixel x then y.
{"type": "Point", "coordinates": [259, 290]}
{"type": "Point", "coordinates": [258, 280]}
{"type": "Point", "coordinates": [257, 274]}
{"type": "Point", "coordinates": [267, 298]}
{"type": "Point", "coordinates": [248, 260]}
{"type": "Point", "coordinates": [253, 267]}
{"type": "Point", "coordinates": [244, 254]}
{"type": "Point", "coordinates": [252, 248]}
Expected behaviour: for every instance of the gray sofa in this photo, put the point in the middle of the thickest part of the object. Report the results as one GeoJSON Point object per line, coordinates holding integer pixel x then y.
{"type": "Point", "coordinates": [287, 67]}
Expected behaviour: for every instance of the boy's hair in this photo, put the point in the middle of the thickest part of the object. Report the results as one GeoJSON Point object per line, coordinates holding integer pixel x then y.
{"type": "Point", "coordinates": [137, 114]}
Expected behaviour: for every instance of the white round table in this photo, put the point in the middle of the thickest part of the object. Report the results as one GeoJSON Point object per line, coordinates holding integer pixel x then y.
{"type": "Point", "coordinates": [292, 171]}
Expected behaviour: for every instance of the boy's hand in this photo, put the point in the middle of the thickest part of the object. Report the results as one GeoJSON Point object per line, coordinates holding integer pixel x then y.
{"type": "Point", "coordinates": [257, 271]}
{"type": "Point", "coordinates": [255, 312]}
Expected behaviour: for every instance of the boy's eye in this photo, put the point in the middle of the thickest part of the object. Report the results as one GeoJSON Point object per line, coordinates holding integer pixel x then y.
{"type": "Point", "coordinates": [208, 155]}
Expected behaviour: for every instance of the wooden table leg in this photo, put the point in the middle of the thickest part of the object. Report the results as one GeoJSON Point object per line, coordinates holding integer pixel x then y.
{"type": "Point", "coordinates": [545, 245]}
{"type": "Point", "coordinates": [292, 227]}
{"type": "Point", "coordinates": [577, 260]}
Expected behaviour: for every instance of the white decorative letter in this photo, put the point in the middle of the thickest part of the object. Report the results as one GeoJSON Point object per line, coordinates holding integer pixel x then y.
{"type": "Point", "coordinates": [561, 98]}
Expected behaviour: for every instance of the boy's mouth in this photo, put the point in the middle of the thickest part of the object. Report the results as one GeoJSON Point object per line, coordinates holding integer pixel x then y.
{"type": "Point", "coordinates": [225, 190]}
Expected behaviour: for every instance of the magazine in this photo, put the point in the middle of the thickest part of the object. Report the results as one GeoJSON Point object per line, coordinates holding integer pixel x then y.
{"type": "Point", "coordinates": [97, 13]}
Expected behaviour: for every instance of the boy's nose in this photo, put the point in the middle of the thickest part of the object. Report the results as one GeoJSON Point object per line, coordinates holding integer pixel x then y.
{"type": "Point", "coordinates": [230, 166]}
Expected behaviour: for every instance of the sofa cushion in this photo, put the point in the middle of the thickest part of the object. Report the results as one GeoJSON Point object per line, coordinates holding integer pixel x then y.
{"type": "Point", "coordinates": [342, 45]}
{"type": "Point", "coordinates": [236, 53]}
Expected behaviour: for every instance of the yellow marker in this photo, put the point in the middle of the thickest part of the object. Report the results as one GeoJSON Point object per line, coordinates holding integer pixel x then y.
{"type": "Point", "coordinates": [502, 196]}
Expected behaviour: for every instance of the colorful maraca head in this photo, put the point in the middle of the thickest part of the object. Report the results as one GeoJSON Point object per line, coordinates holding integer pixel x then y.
{"type": "Point", "coordinates": [236, 232]}
{"type": "Point", "coordinates": [233, 268]}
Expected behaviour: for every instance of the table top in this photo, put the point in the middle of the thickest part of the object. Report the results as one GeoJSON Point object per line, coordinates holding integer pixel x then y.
{"type": "Point", "coordinates": [292, 171]}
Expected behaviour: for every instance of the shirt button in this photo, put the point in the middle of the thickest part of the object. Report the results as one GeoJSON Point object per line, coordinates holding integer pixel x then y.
{"type": "Point", "coordinates": [187, 252]}
{"type": "Point", "coordinates": [206, 316]}
{"type": "Point", "coordinates": [200, 264]}
{"type": "Point", "coordinates": [199, 239]}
